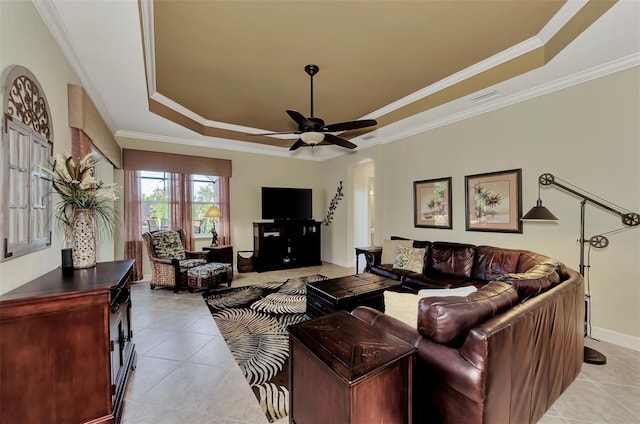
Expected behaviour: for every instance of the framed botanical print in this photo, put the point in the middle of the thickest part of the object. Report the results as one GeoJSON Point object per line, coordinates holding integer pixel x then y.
{"type": "Point", "coordinates": [493, 201]}
{"type": "Point", "coordinates": [432, 203]}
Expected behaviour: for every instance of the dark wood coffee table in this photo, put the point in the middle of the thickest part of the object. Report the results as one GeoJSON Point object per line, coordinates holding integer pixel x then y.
{"type": "Point", "coordinates": [343, 370]}
{"type": "Point", "coordinates": [345, 293]}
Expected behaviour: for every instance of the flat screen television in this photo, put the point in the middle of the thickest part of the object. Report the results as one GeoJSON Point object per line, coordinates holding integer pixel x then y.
{"type": "Point", "coordinates": [280, 203]}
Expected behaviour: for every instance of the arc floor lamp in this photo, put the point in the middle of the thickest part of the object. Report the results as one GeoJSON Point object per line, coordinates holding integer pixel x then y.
{"type": "Point", "coordinates": [540, 213]}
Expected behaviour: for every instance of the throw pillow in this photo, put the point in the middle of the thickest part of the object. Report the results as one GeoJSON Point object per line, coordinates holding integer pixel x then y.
{"type": "Point", "coordinates": [404, 306]}
{"type": "Point", "coordinates": [458, 291]}
{"type": "Point", "coordinates": [389, 248]}
{"type": "Point", "coordinates": [409, 258]}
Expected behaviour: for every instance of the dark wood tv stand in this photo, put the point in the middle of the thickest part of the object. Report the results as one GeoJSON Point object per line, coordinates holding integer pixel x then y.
{"type": "Point", "coordinates": [286, 244]}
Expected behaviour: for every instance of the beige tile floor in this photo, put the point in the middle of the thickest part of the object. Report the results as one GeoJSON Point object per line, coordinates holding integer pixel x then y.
{"type": "Point", "coordinates": [186, 373]}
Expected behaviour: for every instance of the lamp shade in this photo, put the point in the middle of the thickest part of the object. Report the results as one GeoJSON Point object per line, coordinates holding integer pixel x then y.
{"type": "Point", "coordinates": [213, 212]}
{"type": "Point", "coordinates": [312, 137]}
{"type": "Point", "coordinates": [539, 213]}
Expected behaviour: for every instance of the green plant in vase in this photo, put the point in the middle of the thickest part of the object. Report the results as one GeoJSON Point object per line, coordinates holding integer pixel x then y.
{"type": "Point", "coordinates": [84, 205]}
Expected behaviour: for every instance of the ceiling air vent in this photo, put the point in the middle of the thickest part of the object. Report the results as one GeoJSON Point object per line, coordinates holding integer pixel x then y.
{"type": "Point", "coordinates": [369, 137]}
{"type": "Point", "coordinates": [486, 96]}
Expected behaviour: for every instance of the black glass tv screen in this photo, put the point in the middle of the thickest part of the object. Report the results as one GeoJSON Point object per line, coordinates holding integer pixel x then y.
{"type": "Point", "coordinates": [280, 203]}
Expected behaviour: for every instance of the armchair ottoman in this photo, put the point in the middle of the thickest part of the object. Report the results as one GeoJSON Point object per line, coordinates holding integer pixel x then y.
{"type": "Point", "coordinates": [209, 275]}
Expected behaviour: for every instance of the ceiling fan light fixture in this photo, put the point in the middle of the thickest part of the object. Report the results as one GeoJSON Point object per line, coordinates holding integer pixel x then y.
{"type": "Point", "coordinates": [313, 131]}
{"type": "Point", "coordinates": [312, 137]}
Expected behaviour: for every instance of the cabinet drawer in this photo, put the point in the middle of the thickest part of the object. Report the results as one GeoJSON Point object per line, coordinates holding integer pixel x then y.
{"type": "Point", "coordinates": [318, 307]}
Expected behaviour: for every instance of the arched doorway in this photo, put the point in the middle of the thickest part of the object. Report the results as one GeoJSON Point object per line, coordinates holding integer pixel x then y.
{"type": "Point", "coordinates": [363, 204]}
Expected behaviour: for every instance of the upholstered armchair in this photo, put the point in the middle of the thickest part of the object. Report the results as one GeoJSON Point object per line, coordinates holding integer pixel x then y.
{"type": "Point", "coordinates": [169, 258]}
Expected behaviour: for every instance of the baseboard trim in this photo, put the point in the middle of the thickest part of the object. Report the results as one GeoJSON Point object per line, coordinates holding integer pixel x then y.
{"type": "Point", "coordinates": [616, 338]}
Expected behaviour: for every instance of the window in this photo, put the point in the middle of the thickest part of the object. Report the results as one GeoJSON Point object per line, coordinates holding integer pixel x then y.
{"type": "Point", "coordinates": [154, 195]}
{"type": "Point", "coordinates": [205, 195]}
{"type": "Point", "coordinates": [26, 149]}
{"type": "Point", "coordinates": [155, 192]}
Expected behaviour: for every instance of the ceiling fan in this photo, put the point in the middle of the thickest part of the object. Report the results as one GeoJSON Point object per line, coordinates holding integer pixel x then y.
{"type": "Point", "coordinates": [313, 131]}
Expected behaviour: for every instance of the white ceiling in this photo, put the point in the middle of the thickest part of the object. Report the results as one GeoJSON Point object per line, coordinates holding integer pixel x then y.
{"type": "Point", "coordinates": [103, 42]}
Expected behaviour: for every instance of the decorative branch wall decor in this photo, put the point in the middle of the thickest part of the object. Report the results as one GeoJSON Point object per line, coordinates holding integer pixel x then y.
{"type": "Point", "coordinates": [334, 204]}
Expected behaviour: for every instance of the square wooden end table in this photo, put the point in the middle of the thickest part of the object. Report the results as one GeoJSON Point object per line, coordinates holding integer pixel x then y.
{"type": "Point", "coordinates": [372, 255]}
{"type": "Point", "coordinates": [220, 253]}
{"type": "Point", "coordinates": [343, 370]}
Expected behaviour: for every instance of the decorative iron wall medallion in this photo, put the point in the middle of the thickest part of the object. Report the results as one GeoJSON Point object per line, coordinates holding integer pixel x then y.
{"type": "Point", "coordinates": [26, 104]}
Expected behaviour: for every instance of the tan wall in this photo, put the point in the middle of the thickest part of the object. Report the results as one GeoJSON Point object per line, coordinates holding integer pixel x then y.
{"type": "Point", "coordinates": [587, 135]}
{"type": "Point", "coordinates": [36, 49]}
{"type": "Point", "coordinates": [250, 173]}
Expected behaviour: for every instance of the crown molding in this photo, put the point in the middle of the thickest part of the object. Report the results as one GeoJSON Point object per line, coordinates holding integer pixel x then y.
{"type": "Point", "coordinates": [53, 21]}
{"type": "Point", "coordinates": [232, 145]}
{"type": "Point", "coordinates": [560, 19]}
{"type": "Point", "coordinates": [148, 43]}
{"type": "Point", "coordinates": [531, 93]}
{"type": "Point", "coordinates": [501, 102]}
{"type": "Point", "coordinates": [177, 107]}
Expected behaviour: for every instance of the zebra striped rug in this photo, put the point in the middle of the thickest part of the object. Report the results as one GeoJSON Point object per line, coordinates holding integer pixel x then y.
{"type": "Point", "coordinates": [253, 321]}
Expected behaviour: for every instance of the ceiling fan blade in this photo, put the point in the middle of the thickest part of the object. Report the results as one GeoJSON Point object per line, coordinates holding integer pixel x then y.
{"type": "Point", "coordinates": [297, 144]}
{"type": "Point", "coordinates": [351, 125]}
{"type": "Point", "coordinates": [334, 139]}
{"type": "Point", "coordinates": [300, 119]}
{"type": "Point", "coordinates": [279, 133]}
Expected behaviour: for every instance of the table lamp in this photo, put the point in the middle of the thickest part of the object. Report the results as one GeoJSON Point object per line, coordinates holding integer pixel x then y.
{"type": "Point", "coordinates": [213, 212]}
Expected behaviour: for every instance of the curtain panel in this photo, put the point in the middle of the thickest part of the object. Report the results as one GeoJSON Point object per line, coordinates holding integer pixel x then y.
{"type": "Point", "coordinates": [181, 213]}
{"type": "Point", "coordinates": [133, 221]}
{"type": "Point", "coordinates": [224, 229]}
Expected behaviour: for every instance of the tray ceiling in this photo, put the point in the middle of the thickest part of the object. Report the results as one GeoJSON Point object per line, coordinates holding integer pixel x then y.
{"type": "Point", "coordinates": [214, 72]}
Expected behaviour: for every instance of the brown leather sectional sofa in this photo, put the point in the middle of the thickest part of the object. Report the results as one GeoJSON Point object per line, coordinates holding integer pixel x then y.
{"type": "Point", "coordinates": [502, 354]}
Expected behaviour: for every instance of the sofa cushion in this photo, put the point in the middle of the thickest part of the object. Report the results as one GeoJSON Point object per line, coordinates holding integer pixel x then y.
{"type": "Point", "coordinates": [389, 249]}
{"type": "Point", "coordinates": [409, 258]}
{"type": "Point", "coordinates": [491, 262]}
{"type": "Point", "coordinates": [432, 280]}
{"type": "Point", "coordinates": [186, 264]}
{"type": "Point", "coordinates": [167, 244]}
{"type": "Point", "coordinates": [420, 244]}
{"type": "Point", "coordinates": [535, 274]}
{"type": "Point", "coordinates": [447, 320]}
{"type": "Point", "coordinates": [452, 258]}
{"type": "Point", "coordinates": [388, 271]}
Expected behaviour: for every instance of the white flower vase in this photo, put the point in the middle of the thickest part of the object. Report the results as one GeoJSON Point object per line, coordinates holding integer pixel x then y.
{"type": "Point", "coordinates": [84, 242]}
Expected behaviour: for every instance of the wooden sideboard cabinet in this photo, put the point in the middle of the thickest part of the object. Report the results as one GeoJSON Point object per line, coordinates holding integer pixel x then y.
{"type": "Point", "coordinates": [66, 346]}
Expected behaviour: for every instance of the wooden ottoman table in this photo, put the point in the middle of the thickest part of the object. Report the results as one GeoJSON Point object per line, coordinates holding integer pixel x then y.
{"type": "Point", "coordinates": [345, 293]}
{"type": "Point", "coordinates": [343, 370]}
{"type": "Point", "coordinates": [209, 275]}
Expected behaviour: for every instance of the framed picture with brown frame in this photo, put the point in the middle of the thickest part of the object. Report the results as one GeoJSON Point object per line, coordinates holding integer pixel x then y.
{"type": "Point", "coordinates": [432, 203]}
{"type": "Point", "coordinates": [493, 201]}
